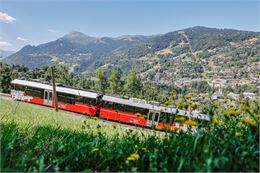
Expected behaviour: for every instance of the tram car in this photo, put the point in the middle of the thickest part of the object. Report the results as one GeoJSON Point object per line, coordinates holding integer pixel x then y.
{"type": "Point", "coordinates": [69, 99]}
{"type": "Point", "coordinates": [130, 111]}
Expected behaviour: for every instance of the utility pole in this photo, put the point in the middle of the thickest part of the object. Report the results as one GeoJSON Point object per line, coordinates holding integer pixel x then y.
{"type": "Point", "coordinates": [55, 98]}
{"type": "Point", "coordinates": [188, 97]}
{"type": "Point", "coordinates": [190, 108]}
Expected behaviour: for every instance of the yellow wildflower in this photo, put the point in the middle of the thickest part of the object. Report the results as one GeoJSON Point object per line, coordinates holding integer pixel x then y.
{"type": "Point", "coordinates": [187, 96]}
{"type": "Point", "coordinates": [246, 108]}
{"type": "Point", "coordinates": [135, 155]}
{"type": "Point", "coordinates": [167, 103]}
{"type": "Point", "coordinates": [249, 122]}
{"type": "Point", "coordinates": [138, 114]}
{"type": "Point", "coordinates": [136, 146]}
{"type": "Point", "coordinates": [130, 158]}
{"type": "Point", "coordinates": [215, 122]}
{"type": "Point", "coordinates": [191, 122]}
{"type": "Point", "coordinates": [194, 106]}
{"type": "Point", "coordinates": [95, 149]}
{"type": "Point", "coordinates": [180, 119]}
{"type": "Point", "coordinates": [180, 105]}
{"type": "Point", "coordinates": [238, 134]}
{"type": "Point", "coordinates": [231, 113]}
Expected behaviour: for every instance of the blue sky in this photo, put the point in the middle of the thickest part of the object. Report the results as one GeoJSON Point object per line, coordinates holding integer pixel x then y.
{"type": "Point", "coordinates": [39, 21]}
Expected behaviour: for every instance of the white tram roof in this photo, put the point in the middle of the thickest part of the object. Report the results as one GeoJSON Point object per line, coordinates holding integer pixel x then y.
{"type": "Point", "coordinates": [172, 110]}
{"type": "Point", "coordinates": [129, 102]}
{"type": "Point", "coordinates": [195, 114]}
{"type": "Point", "coordinates": [58, 89]}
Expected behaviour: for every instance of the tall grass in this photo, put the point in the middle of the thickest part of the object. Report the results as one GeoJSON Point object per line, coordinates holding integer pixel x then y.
{"type": "Point", "coordinates": [32, 144]}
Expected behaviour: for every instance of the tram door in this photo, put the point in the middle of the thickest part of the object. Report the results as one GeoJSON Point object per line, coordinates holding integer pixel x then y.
{"type": "Point", "coordinates": [48, 97]}
{"type": "Point", "coordinates": [153, 118]}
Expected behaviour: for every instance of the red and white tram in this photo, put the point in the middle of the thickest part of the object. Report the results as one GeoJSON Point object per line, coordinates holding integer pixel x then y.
{"type": "Point", "coordinates": [131, 111]}
{"type": "Point", "coordinates": [68, 99]}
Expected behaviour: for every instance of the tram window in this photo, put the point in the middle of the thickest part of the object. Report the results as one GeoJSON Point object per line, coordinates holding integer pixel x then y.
{"type": "Point", "coordinates": [19, 87]}
{"type": "Point", "coordinates": [202, 122]}
{"type": "Point", "coordinates": [141, 111]}
{"type": "Point", "coordinates": [171, 119]}
{"type": "Point", "coordinates": [71, 99]}
{"type": "Point", "coordinates": [86, 100]}
{"type": "Point", "coordinates": [108, 105]}
{"type": "Point", "coordinates": [151, 115]}
{"type": "Point", "coordinates": [50, 96]}
{"type": "Point", "coordinates": [156, 116]}
{"type": "Point", "coordinates": [45, 95]}
{"type": "Point", "coordinates": [66, 98]}
{"type": "Point", "coordinates": [79, 99]}
{"type": "Point", "coordinates": [129, 109]}
{"type": "Point", "coordinates": [61, 97]}
{"type": "Point", "coordinates": [119, 107]}
{"type": "Point", "coordinates": [165, 118]}
{"type": "Point", "coordinates": [90, 101]}
{"type": "Point", "coordinates": [35, 92]}
{"type": "Point", "coordinates": [162, 117]}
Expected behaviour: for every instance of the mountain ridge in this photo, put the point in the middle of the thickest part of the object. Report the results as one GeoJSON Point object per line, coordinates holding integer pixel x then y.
{"type": "Point", "coordinates": [5, 53]}
{"type": "Point", "coordinates": [194, 52]}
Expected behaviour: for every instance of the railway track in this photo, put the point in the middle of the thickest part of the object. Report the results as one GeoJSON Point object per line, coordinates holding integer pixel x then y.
{"type": "Point", "coordinates": [8, 97]}
{"type": "Point", "coordinates": [5, 96]}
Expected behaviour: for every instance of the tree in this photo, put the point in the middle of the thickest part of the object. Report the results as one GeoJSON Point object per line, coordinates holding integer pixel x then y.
{"type": "Point", "coordinates": [63, 75]}
{"type": "Point", "coordinates": [150, 92]}
{"type": "Point", "coordinates": [173, 94]}
{"type": "Point", "coordinates": [5, 78]}
{"type": "Point", "coordinates": [86, 83]}
{"type": "Point", "coordinates": [133, 85]}
{"type": "Point", "coordinates": [101, 83]}
{"type": "Point", "coordinates": [115, 82]}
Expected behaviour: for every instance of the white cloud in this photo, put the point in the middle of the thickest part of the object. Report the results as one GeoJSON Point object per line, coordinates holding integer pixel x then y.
{"type": "Point", "coordinates": [4, 44]}
{"type": "Point", "coordinates": [22, 39]}
{"type": "Point", "coordinates": [53, 31]}
{"type": "Point", "coordinates": [4, 17]}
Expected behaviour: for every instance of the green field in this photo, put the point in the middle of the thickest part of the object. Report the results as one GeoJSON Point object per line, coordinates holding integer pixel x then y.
{"type": "Point", "coordinates": [38, 139]}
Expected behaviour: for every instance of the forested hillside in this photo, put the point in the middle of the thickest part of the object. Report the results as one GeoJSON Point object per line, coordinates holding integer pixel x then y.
{"type": "Point", "coordinates": [194, 53]}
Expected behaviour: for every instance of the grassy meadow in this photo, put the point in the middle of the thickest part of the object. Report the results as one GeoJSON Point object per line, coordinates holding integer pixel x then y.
{"type": "Point", "coordinates": [36, 139]}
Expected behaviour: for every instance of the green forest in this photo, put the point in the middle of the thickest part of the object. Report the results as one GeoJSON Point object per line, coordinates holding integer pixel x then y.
{"type": "Point", "coordinates": [115, 83]}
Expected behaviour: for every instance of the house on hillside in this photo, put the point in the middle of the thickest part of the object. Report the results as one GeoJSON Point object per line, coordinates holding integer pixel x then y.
{"type": "Point", "coordinates": [217, 95]}
{"type": "Point", "coordinates": [233, 96]}
{"type": "Point", "coordinates": [249, 95]}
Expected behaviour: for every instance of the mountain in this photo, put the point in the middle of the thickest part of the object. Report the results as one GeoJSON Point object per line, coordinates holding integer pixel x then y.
{"type": "Point", "coordinates": [5, 53]}
{"type": "Point", "coordinates": [76, 49]}
{"type": "Point", "coordinates": [194, 54]}
{"type": "Point", "coordinates": [191, 54]}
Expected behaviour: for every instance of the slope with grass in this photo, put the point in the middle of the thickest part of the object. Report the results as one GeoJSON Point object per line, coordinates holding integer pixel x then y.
{"type": "Point", "coordinates": [38, 139]}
